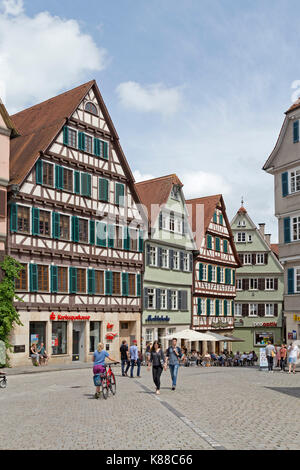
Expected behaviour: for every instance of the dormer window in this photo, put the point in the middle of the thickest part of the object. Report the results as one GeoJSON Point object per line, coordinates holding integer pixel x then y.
{"type": "Point", "coordinates": [91, 108]}
{"type": "Point", "coordinates": [175, 192]}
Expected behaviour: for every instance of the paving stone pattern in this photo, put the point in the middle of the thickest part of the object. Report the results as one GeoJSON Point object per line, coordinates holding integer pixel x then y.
{"type": "Point", "coordinates": [212, 408]}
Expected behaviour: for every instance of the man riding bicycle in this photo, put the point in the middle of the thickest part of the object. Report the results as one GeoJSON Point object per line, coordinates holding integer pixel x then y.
{"type": "Point", "coordinates": [99, 363]}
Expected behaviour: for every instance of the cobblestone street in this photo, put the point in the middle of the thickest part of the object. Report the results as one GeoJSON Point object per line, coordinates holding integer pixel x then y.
{"type": "Point", "coordinates": [216, 408]}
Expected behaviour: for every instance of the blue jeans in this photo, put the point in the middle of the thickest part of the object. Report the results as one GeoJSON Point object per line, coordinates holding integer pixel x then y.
{"type": "Point", "coordinates": [174, 372]}
{"type": "Point", "coordinates": [138, 363]}
{"type": "Point", "coordinates": [123, 363]}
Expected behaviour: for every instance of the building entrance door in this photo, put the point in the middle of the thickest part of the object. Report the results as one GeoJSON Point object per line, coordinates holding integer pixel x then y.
{"type": "Point", "coordinates": [78, 341]}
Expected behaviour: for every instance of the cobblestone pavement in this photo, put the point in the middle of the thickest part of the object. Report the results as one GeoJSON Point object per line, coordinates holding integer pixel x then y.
{"type": "Point", "coordinates": [212, 408]}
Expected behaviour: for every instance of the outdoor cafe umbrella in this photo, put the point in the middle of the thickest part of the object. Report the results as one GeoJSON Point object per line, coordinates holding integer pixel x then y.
{"type": "Point", "coordinates": [234, 339]}
{"type": "Point", "coordinates": [228, 338]}
{"type": "Point", "coordinates": [191, 335]}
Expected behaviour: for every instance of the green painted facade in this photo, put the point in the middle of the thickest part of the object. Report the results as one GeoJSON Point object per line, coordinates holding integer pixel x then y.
{"type": "Point", "coordinates": [168, 269]}
{"type": "Point", "coordinates": [260, 286]}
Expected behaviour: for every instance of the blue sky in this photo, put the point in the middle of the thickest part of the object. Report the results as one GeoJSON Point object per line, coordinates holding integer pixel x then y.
{"type": "Point", "coordinates": [194, 87]}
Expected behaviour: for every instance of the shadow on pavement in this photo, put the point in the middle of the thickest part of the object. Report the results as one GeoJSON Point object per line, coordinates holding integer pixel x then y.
{"type": "Point", "coordinates": [292, 391]}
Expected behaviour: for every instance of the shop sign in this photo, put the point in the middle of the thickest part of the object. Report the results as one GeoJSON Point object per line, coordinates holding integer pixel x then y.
{"type": "Point", "coordinates": [158, 318]}
{"type": "Point", "coordinates": [273, 323]}
{"type": "Point", "coordinates": [69, 317]}
{"type": "Point", "coordinates": [263, 361]}
{"type": "Point", "coordinates": [109, 326]}
{"type": "Point", "coordinates": [296, 317]}
{"type": "Point", "coordinates": [292, 334]}
{"type": "Point", "coordinates": [20, 348]}
{"type": "Point", "coordinates": [111, 336]}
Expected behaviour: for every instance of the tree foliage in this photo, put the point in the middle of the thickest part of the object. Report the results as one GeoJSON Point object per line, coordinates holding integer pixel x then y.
{"type": "Point", "coordinates": [8, 314]}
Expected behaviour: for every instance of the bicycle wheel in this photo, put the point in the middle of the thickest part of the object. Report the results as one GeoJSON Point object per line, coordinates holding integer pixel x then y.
{"type": "Point", "coordinates": [104, 389]}
{"type": "Point", "coordinates": [3, 383]}
{"type": "Point", "coordinates": [112, 384]}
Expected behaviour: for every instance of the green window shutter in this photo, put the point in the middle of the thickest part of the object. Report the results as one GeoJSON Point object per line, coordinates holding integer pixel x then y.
{"type": "Point", "coordinates": [217, 244]}
{"type": "Point", "coordinates": [91, 281]}
{"type": "Point", "coordinates": [285, 183]}
{"type": "Point", "coordinates": [209, 242]}
{"type": "Point", "coordinates": [208, 307]}
{"type": "Point", "coordinates": [53, 279]}
{"type": "Point", "coordinates": [221, 219]}
{"type": "Point", "coordinates": [141, 241]}
{"type": "Point", "coordinates": [233, 277]}
{"type": "Point", "coordinates": [199, 306]}
{"type": "Point", "coordinates": [209, 273]}
{"type": "Point", "coordinates": [108, 282]}
{"type": "Point", "coordinates": [76, 182]}
{"type": "Point", "coordinates": [81, 141]}
{"type": "Point", "coordinates": [103, 189]}
{"type": "Point", "coordinates": [97, 147]}
{"type": "Point", "coordinates": [200, 271]}
{"type": "Point", "coordinates": [33, 277]}
{"type": "Point", "coordinates": [215, 218]}
{"type": "Point", "coordinates": [225, 246]}
{"type": "Point", "coordinates": [119, 195]}
{"type": "Point", "coordinates": [66, 135]}
{"type": "Point", "coordinates": [111, 236]}
{"type": "Point", "coordinates": [287, 229]}
{"type": "Point", "coordinates": [225, 308]}
{"type": "Point", "coordinates": [101, 234]}
{"type": "Point", "coordinates": [55, 225]}
{"type": "Point", "coordinates": [227, 276]}
{"type": "Point", "coordinates": [126, 243]}
{"type": "Point", "coordinates": [105, 150]}
{"type": "Point", "coordinates": [138, 285]}
{"type": "Point", "coordinates": [92, 232]}
{"type": "Point", "coordinates": [217, 307]}
{"type": "Point", "coordinates": [59, 177]}
{"type": "Point", "coordinates": [13, 217]}
{"type": "Point", "coordinates": [296, 131]}
{"type": "Point", "coordinates": [39, 172]}
{"type": "Point", "coordinates": [125, 284]}
{"type": "Point", "coordinates": [232, 308]}
{"type": "Point", "coordinates": [86, 184]}
{"type": "Point", "coordinates": [290, 279]}
{"type": "Point", "coordinates": [218, 274]}
{"type": "Point", "coordinates": [35, 221]}
{"type": "Point", "coordinates": [72, 280]}
{"type": "Point", "coordinates": [75, 229]}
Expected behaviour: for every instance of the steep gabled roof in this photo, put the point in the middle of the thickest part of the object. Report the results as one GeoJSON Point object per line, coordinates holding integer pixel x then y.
{"type": "Point", "coordinates": [155, 193]}
{"type": "Point", "coordinates": [210, 203]}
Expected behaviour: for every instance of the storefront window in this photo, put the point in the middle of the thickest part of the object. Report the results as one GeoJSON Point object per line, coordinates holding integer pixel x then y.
{"type": "Point", "coordinates": [94, 335]}
{"type": "Point", "coordinates": [261, 339]}
{"type": "Point", "coordinates": [37, 333]}
{"type": "Point", "coordinates": [59, 337]}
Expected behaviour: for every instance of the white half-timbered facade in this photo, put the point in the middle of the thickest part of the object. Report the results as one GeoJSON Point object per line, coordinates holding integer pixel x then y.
{"type": "Point", "coordinates": [75, 225]}
{"type": "Point", "coordinates": [214, 269]}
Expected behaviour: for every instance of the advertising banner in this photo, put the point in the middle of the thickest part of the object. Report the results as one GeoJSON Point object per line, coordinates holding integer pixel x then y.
{"type": "Point", "coordinates": [263, 361]}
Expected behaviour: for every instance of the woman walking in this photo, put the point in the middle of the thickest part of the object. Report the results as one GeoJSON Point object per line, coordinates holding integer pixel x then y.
{"type": "Point", "coordinates": [157, 358]}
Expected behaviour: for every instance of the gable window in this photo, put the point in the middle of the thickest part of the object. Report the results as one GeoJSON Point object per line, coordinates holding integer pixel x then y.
{"type": "Point", "coordinates": [260, 258]}
{"type": "Point", "coordinates": [44, 220]}
{"type": "Point", "coordinates": [72, 138]}
{"type": "Point", "coordinates": [48, 174]}
{"type": "Point", "coordinates": [247, 258]}
{"type": "Point", "coordinates": [21, 284]}
{"type": "Point", "coordinates": [175, 192]}
{"type": "Point", "coordinates": [165, 221]}
{"type": "Point", "coordinates": [91, 108]}
{"type": "Point", "coordinates": [178, 224]}
{"type": "Point", "coordinates": [269, 283]}
{"type": "Point", "coordinates": [241, 237]}
{"type": "Point", "coordinates": [172, 222]}
{"type": "Point", "coordinates": [119, 194]}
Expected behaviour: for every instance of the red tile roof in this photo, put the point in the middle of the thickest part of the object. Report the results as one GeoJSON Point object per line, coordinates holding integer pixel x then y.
{"type": "Point", "coordinates": [38, 126]}
{"type": "Point", "coordinates": [210, 203]}
{"type": "Point", "coordinates": [155, 193]}
{"type": "Point", "coordinates": [275, 249]}
{"type": "Point", "coordinates": [294, 106]}
{"type": "Point", "coordinates": [242, 210]}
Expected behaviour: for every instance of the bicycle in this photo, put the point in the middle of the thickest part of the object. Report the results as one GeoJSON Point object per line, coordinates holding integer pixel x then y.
{"type": "Point", "coordinates": [3, 380]}
{"type": "Point", "coordinates": [108, 381]}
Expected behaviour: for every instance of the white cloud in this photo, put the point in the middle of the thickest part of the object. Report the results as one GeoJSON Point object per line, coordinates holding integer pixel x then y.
{"type": "Point", "coordinates": [42, 55]}
{"type": "Point", "coordinates": [201, 183]}
{"type": "Point", "coordinates": [138, 176]}
{"type": "Point", "coordinates": [149, 98]}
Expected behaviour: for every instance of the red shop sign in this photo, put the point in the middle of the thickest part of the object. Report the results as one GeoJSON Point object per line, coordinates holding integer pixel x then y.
{"type": "Point", "coordinates": [69, 317]}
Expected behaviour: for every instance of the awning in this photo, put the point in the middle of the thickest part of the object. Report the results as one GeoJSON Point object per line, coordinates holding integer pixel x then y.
{"type": "Point", "coordinates": [191, 335]}
{"type": "Point", "coordinates": [234, 339]}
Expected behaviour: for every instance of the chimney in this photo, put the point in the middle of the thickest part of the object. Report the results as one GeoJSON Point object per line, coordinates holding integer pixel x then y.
{"type": "Point", "coordinates": [262, 229]}
{"type": "Point", "coordinates": [268, 238]}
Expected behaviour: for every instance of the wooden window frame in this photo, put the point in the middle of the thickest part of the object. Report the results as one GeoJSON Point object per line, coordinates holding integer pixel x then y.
{"type": "Point", "coordinates": [42, 221]}
{"type": "Point", "coordinates": [23, 279]}
{"type": "Point", "coordinates": [43, 277]}
{"type": "Point", "coordinates": [62, 278]}
{"type": "Point", "coordinates": [81, 280]}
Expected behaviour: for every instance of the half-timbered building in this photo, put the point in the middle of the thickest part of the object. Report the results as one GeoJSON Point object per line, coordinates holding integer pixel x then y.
{"type": "Point", "coordinates": [75, 225]}
{"type": "Point", "coordinates": [214, 269]}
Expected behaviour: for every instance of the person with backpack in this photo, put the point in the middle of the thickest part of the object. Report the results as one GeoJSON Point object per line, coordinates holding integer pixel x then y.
{"type": "Point", "coordinates": [157, 358]}
{"type": "Point", "coordinates": [174, 355]}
